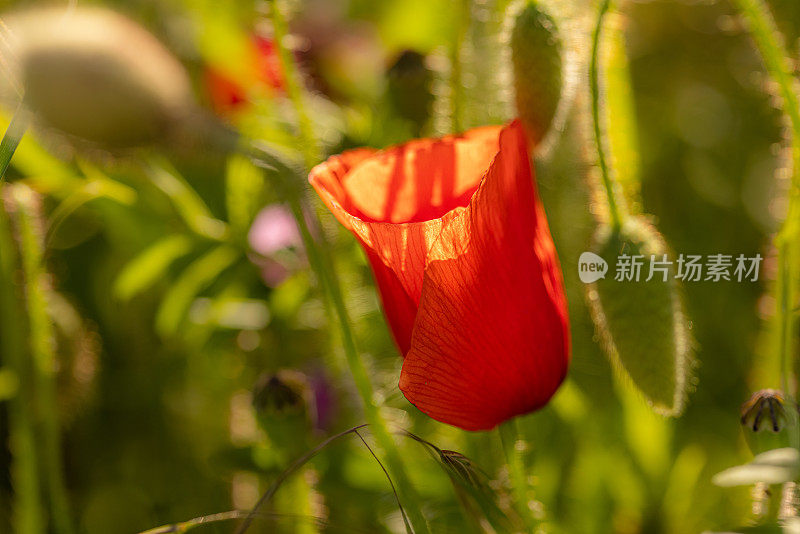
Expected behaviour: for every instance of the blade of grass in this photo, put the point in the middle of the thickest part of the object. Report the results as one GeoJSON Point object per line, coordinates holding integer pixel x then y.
{"type": "Point", "coordinates": [186, 526]}
{"type": "Point", "coordinates": [186, 201]}
{"type": "Point", "coordinates": [12, 137]}
{"type": "Point", "coordinates": [150, 265]}
{"type": "Point", "coordinates": [388, 476]}
{"type": "Point", "coordinates": [297, 464]}
{"type": "Point", "coordinates": [196, 277]}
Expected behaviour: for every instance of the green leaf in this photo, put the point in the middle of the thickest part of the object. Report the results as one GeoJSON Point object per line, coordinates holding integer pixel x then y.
{"type": "Point", "coordinates": [194, 279]}
{"type": "Point", "coordinates": [772, 467]}
{"type": "Point", "coordinates": [189, 205]}
{"type": "Point", "coordinates": [244, 183]}
{"type": "Point", "coordinates": [97, 185]}
{"type": "Point", "coordinates": [150, 266]}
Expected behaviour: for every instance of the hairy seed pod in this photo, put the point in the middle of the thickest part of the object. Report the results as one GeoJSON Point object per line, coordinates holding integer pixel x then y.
{"type": "Point", "coordinates": [97, 75]}
{"type": "Point", "coordinates": [536, 57]}
{"type": "Point", "coordinates": [641, 323]}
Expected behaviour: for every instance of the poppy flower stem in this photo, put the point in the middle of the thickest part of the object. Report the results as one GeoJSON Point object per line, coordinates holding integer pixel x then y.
{"type": "Point", "coordinates": [616, 209]}
{"type": "Point", "coordinates": [322, 263]}
{"type": "Point", "coordinates": [775, 57]}
{"type": "Point", "coordinates": [457, 66]}
{"type": "Point", "coordinates": [514, 447]}
{"type": "Point", "coordinates": [294, 89]}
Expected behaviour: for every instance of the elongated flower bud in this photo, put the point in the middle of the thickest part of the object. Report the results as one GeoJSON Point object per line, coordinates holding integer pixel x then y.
{"type": "Point", "coordinates": [95, 74]}
{"type": "Point", "coordinates": [640, 317]}
{"type": "Point", "coordinates": [537, 61]}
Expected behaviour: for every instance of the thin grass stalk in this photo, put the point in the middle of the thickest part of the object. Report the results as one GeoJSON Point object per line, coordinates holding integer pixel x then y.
{"type": "Point", "coordinates": [775, 57]}
{"type": "Point", "coordinates": [613, 199]}
{"type": "Point", "coordinates": [42, 348]}
{"type": "Point", "coordinates": [513, 448]}
{"type": "Point", "coordinates": [322, 263]}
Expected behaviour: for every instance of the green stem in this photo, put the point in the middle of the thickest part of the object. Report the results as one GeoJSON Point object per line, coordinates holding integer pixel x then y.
{"type": "Point", "coordinates": [294, 89]}
{"type": "Point", "coordinates": [42, 347]}
{"type": "Point", "coordinates": [615, 207]}
{"type": "Point", "coordinates": [28, 511]}
{"type": "Point", "coordinates": [775, 56]}
{"type": "Point", "coordinates": [514, 450]}
{"type": "Point", "coordinates": [322, 263]}
{"type": "Point", "coordinates": [457, 66]}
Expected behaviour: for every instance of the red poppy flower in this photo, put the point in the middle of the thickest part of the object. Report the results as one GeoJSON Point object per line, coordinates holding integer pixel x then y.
{"type": "Point", "coordinates": [227, 94]}
{"type": "Point", "coordinates": [467, 271]}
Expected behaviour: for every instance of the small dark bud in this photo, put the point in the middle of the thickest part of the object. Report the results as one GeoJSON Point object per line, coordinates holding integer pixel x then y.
{"type": "Point", "coordinates": [764, 410]}
{"type": "Point", "coordinates": [766, 421]}
{"type": "Point", "coordinates": [281, 394]}
{"type": "Point", "coordinates": [409, 88]}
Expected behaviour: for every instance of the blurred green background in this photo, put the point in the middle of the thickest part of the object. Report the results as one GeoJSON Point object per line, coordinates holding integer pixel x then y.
{"type": "Point", "coordinates": [181, 316]}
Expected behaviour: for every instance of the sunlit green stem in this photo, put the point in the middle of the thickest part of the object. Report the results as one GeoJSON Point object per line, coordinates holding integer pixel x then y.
{"type": "Point", "coordinates": [457, 65]}
{"type": "Point", "coordinates": [623, 149]}
{"type": "Point", "coordinates": [322, 263]}
{"type": "Point", "coordinates": [27, 511]}
{"type": "Point", "coordinates": [324, 270]}
{"type": "Point", "coordinates": [774, 54]}
{"type": "Point", "coordinates": [514, 449]}
{"type": "Point", "coordinates": [294, 88]}
{"type": "Point", "coordinates": [42, 348]}
{"type": "Point", "coordinates": [616, 209]}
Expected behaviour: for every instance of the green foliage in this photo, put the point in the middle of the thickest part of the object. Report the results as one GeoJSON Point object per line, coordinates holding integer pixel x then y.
{"type": "Point", "coordinates": [160, 287]}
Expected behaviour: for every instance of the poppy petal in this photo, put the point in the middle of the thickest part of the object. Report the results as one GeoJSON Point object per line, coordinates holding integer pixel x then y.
{"type": "Point", "coordinates": [491, 339]}
{"type": "Point", "coordinates": [466, 268]}
{"type": "Point", "coordinates": [384, 197]}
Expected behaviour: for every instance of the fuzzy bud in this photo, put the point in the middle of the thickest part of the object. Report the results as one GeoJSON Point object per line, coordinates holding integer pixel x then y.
{"type": "Point", "coordinates": [536, 57]}
{"type": "Point", "coordinates": [640, 317]}
{"type": "Point", "coordinates": [97, 75]}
